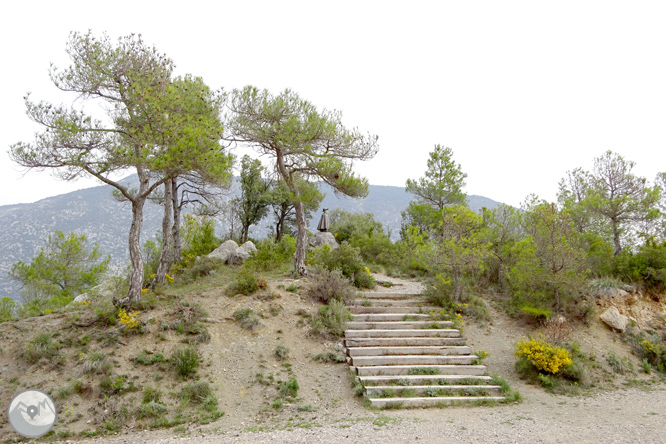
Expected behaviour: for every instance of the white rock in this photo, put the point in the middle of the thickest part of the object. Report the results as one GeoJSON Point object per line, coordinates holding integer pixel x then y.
{"type": "Point", "coordinates": [613, 318]}
{"type": "Point", "coordinates": [225, 250]}
{"type": "Point", "coordinates": [320, 239]}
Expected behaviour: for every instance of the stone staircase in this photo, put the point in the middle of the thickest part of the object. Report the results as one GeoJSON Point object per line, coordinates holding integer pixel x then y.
{"type": "Point", "coordinates": [405, 357]}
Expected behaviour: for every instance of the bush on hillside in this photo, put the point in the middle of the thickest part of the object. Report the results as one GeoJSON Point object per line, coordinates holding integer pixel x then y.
{"type": "Point", "coordinates": [327, 285]}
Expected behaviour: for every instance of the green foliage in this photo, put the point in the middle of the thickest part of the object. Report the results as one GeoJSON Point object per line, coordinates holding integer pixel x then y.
{"type": "Point", "coordinates": [347, 259]}
{"type": "Point", "coordinates": [151, 394]}
{"type": "Point", "coordinates": [457, 249]}
{"type": "Point", "coordinates": [198, 234]}
{"type": "Point", "coordinates": [116, 385]}
{"type": "Point", "coordinates": [7, 309]}
{"type": "Point", "coordinates": [551, 265]}
{"type": "Point", "coordinates": [199, 394]}
{"type": "Point", "coordinates": [246, 283]}
{"type": "Point", "coordinates": [41, 346]}
{"type": "Point", "coordinates": [305, 143]}
{"type": "Point", "coordinates": [185, 361]}
{"type": "Point", "coordinates": [289, 389]}
{"type": "Point", "coordinates": [651, 347]}
{"type": "Point", "coordinates": [247, 318]}
{"type": "Point", "coordinates": [252, 204]}
{"type": "Point", "coordinates": [646, 267]}
{"type": "Point", "coordinates": [443, 181]}
{"type": "Point", "coordinates": [148, 358]}
{"type": "Point", "coordinates": [536, 312]}
{"type": "Point", "coordinates": [423, 371]}
{"type": "Point", "coordinates": [154, 123]}
{"type": "Point", "coordinates": [271, 254]}
{"type": "Point", "coordinates": [204, 266]}
{"type": "Point", "coordinates": [330, 357]}
{"type": "Point", "coordinates": [334, 317]}
{"type": "Point", "coordinates": [62, 269]}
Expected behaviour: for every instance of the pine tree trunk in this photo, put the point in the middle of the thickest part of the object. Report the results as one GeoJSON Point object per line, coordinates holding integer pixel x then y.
{"type": "Point", "coordinates": [177, 241]}
{"type": "Point", "coordinates": [136, 259]}
{"type": "Point", "coordinates": [616, 237]}
{"type": "Point", "coordinates": [301, 240]}
{"type": "Point", "coordinates": [167, 237]}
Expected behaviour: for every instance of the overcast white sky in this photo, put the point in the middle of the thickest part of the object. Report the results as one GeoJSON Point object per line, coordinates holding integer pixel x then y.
{"type": "Point", "coordinates": [521, 91]}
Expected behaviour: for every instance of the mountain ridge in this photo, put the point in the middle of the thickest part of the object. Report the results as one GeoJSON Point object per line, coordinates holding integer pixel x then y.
{"type": "Point", "coordinates": [93, 212]}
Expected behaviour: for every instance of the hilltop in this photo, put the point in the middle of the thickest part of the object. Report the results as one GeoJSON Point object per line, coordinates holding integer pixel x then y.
{"type": "Point", "coordinates": [93, 212]}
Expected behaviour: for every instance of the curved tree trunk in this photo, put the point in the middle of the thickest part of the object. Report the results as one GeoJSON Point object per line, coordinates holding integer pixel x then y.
{"type": "Point", "coordinates": [167, 237]}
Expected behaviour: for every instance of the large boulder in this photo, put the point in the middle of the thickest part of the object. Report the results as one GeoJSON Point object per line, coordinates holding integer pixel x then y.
{"type": "Point", "coordinates": [224, 251]}
{"type": "Point", "coordinates": [614, 319]}
{"type": "Point", "coordinates": [242, 253]}
{"type": "Point", "coordinates": [320, 239]}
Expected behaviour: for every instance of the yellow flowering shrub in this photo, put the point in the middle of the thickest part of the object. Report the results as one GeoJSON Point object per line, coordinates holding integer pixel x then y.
{"type": "Point", "coordinates": [129, 320]}
{"type": "Point", "coordinates": [544, 356]}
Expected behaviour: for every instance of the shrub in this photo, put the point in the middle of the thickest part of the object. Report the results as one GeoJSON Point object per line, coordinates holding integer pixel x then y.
{"type": "Point", "coordinates": [653, 350]}
{"type": "Point", "coordinates": [289, 389]}
{"type": "Point", "coordinates": [247, 318]}
{"type": "Point", "coordinates": [271, 254]}
{"type": "Point", "coordinates": [542, 355]}
{"type": "Point", "coordinates": [152, 410]}
{"type": "Point", "coordinates": [281, 352]}
{"type": "Point", "coordinates": [202, 267]}
{"type": "Point", "coordinates": [646, 267]}
{"type": "Point", "coordinates": [335, 316]}
{"type": "Point", "coordinates": [328, 285]}
{"type": "Point", "coordinates": [41, 346]}
{"type": "Point", "coordinates": [7, 309]}
{"type": "Point", "coordinates": [246, 283]}
{"type": "Point", "coordinates": [151, 394]}
{"type": "Point", "coordinates": [185, 361]}
{"type": "Point", "coordinates": [96, 363]}
{"type": "Point", "coordinates": [345, 258]}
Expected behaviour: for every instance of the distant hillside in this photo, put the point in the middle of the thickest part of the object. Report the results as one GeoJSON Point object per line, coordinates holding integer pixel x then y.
{"type": "Point", "coordinates": [92, 211]}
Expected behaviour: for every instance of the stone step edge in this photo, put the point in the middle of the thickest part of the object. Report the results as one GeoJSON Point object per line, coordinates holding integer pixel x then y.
{"type": "Point", "coordinates": [430, 401]}
{"type": "Point", "coordinates": [372, 378]}
{"type": "Point", "coordinates": [490, 390]}
{"type": "Point", "coordinates": [443, 369]}
{"type": "Point", "coordinates": [371, 350]}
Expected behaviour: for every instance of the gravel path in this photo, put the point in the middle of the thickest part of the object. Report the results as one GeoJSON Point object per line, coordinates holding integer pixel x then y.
{"type": "Point", "coordinates": [624, 416]}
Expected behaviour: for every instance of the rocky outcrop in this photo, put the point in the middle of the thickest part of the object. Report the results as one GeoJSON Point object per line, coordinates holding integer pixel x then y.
{"type": "Point", "coordinates": [224, 251]}
{"type": "Point", "coordinates": [242, 253]}
{"type": "Point", "coordinates": [614, 319]}
{"type": "Point", "coordinates": [323, 238]}
{"type": "Point", "coordinates": [230, 253]}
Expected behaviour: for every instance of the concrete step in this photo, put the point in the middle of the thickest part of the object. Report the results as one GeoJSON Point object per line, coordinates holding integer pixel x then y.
{"type": "Point", "coordinates": [430, 402]}
{"type": "Point", "coordinates": [399, 325]}
{"type": "Point", "coordinates": [380, 317]}
{"type": "Point", "coordinates": [409, 350]}
{"type": "Point", "coordinates": [403, 342]}
{"type": "Point", "coordinates": [404, 333]}
{"type": "Point", "coordinates": [424, 360]}
{"type": "Point", "coordinates": [443, 369]}
{"type": "Point", "coordinates": [390, 296]}
{"type": "Point", "coordinates": [415, 391]}
{"type": "Point", "coordinates": [373, 309]}
{"type": "Point", "coordinates": [369, 381]}
{"type": "Point", "coordinates": [388, 303]}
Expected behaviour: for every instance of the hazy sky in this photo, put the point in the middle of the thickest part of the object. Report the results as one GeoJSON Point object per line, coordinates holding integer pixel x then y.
{"type": "Point", "coordinates": [521, 91]}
